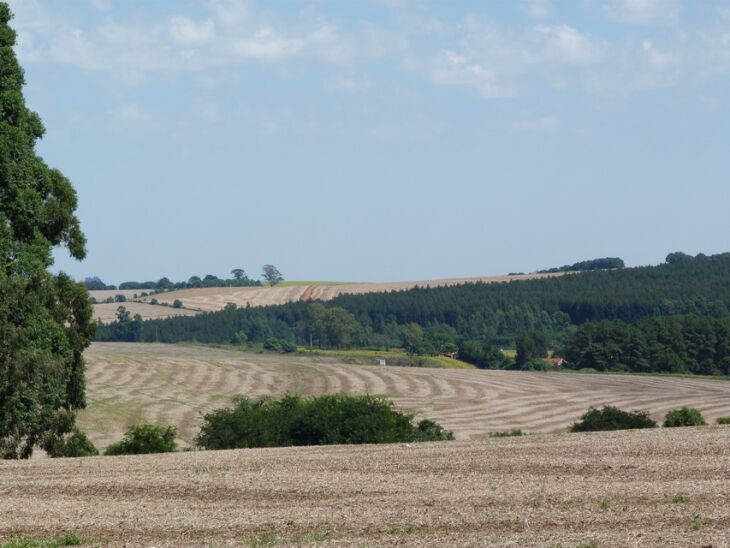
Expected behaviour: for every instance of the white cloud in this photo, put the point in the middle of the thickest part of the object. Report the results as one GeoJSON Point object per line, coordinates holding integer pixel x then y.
{"type": "Point", "coordinates": [348, 84]}
{"type": "Point", "coordinates": [539, 124]}
{"type": "Point", "coordinates": [131, 114]}
{"type": "Point", "coordinates": [230, 13]}
{"type": "Point", "coordinates": [643, 12]}
{"type": "Point", "coordinates": [452, 68]}
{"type": "Point", "coordinates": [266, 44]}
{"type": "Point", "coordinates": [539, 9]}
{"type": "Point", "coordinates": [565, 44]}
{"type": "Point", "coordinates": [187, 32]}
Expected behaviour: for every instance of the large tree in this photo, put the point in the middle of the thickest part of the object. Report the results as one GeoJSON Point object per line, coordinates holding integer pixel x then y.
{"type": "Point", "coordinates": [271, 274]}
{"type": "Point", "coordinates": [45, 319]}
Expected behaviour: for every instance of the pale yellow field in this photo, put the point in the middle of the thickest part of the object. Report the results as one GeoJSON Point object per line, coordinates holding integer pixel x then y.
{"type": "Point", "coordinates": [664, 487]}
{"type": "Point", "coordinates": [215, 298]}
{"type": "Point", "coordinates": [107, 312]}
{"type": "Point", "coordinates": [175, 384]}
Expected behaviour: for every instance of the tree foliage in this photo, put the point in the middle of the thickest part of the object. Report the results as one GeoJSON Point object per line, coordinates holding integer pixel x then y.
{"type": "Point", "coordinates": [684, 416]}
{"type": "Point", "coordinates": [322, 420]}
{"type": "Point", "coordinates": [145, 438]}
{"type": "Point", "coordinates": [45, 320]}
{"type": "Point", "coordinates": [612, 418]}
{"type": "Point", "coordinates": [271, 274]}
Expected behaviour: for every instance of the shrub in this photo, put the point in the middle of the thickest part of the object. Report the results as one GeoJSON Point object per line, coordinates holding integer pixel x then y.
{"type": "Point", "coordinates": [119, 298]}
{"type": "Point", "coordinates": [323, 420]}
{"type": "Point", "coordinates": [723, 420]}
{"type": "Point", "coordinates": [684, 416]}
{"type": "Point", "coordinates": [177, 303]}
{"type": "Point", "coordinates": [279, 345]}
{"type": "Point", "coordinates": [612, 418]}
{"type": "Point", "coordinates": [508, 434]}
{"type": "Point", "coordinates": [145, 438]}
{"type": "Point", "coordinates": [75, 444]}
{"type": "Point", "coordinates": [154, 301]}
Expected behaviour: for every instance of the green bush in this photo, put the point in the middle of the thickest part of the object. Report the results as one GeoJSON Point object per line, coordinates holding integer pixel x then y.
{"type": "Point", "coordinates": [684, 416]}
{"type": "Point", "coordinates": [145, 438]}
{"type": "Point", "coordinates": [177, 303]}
{"type": "Point", "coordinates": [723, 420]}
{"type": "Point", "coordinates": [508, 434]}
{"type": "Point", "coordinates": [75, 444]}
{"type": "Point", "coordinates": [612, 418]}
{"type": "Point", "coordinates": [280, 345]}
{"type": "Point", "coordinates": [323, 420]}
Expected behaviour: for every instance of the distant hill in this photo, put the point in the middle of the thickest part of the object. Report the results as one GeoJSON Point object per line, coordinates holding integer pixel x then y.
{"type": "Point", "coordinates": [475, 319]}
{"type": "Point", "coordinates": [211, 299]}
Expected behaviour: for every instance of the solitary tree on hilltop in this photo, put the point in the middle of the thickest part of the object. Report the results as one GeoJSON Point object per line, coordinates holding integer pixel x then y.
{"type": "Point", "coordinates": [238, 273]}
{"type": "Point", "coordinates": [271, 274]}
{"type": "Point", "coordinates": [45, 319]}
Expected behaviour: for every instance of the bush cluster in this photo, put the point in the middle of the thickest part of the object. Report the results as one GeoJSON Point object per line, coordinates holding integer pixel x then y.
{"type": "Point", "coordinates": [279, 345]}
{"type": "Point", "coordinates": [612, 418]}
{"type": "Point", "coordinates": [74, 444]}
{"type": "Point", "coordinates": [145, 438]}
{"type": "Point", "coordinates": [684, 416]}
{"type": "Point", "coordinates": [323, 420]}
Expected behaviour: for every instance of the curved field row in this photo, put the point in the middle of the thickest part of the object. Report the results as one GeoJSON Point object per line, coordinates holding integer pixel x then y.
{"type": "Point", "coordinates": [208, 299]}
{"type": "Point", "coordinates": [173, 384]}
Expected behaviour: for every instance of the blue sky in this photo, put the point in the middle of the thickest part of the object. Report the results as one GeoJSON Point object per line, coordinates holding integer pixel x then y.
{"type": "Point", "coordinates": [382, 139]}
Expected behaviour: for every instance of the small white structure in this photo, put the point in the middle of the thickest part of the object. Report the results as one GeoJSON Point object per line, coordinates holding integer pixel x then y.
{"type": "Point", "coordinates": [381, 361]}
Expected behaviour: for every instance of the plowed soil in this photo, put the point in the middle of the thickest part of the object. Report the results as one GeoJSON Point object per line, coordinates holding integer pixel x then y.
{"type": "Point", "coordinates": [666, 487]}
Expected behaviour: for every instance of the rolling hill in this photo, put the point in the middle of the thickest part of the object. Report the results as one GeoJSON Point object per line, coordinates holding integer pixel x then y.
{"type": "Point", "coordinates": [176, 384]}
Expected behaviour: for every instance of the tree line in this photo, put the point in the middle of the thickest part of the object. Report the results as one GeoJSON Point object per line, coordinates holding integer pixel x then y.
{"type": "Point", "coordinates": [669, 344]}
{"type": "Point", "coordinates": [474, 319]}
{"type": "Point", "coordinates": [238, 278]}
{"type": "Point", "coordinates": [605, 263]}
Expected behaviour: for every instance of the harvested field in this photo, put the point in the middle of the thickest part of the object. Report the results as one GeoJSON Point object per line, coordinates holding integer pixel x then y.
{"type": "Point", "coordinates": [102, 294]}
{"type": "Point", "coordinates": [666, 487]}
{"type": "Point", "coordinates": [107, 312]}
{"type": "Point", "coordinates": [215, 298]}
{"type": "Point", "coordinates": [175, 384]}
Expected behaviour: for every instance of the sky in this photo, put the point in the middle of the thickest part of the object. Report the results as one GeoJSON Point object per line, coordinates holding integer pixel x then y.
{"type": "Point", "coordinates": [382, 140]}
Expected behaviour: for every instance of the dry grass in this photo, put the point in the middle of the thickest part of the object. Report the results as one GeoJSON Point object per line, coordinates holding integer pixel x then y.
{"type": "Point", "coordinates": [639, 488]}
{"type": "Point", "coordinates": [175, 384]}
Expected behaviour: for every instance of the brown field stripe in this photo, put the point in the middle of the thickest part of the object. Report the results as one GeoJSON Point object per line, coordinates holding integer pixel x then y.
{"type": "Point", "coordinates": [307, 295]}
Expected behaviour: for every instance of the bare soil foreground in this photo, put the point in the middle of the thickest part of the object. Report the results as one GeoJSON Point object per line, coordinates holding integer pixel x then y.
{"type": "Point", "coordinates": [666, 487]}
{"type": "Point", "coordinates": [209, 299]}
{"type": "Point", "coordinates": [175, 384]}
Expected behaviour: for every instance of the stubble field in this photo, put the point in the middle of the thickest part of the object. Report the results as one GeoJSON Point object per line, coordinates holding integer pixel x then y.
{"type": "Point", "coordinates": [666, 487]}
{"type": "Point", "coordinates": [176, 384]}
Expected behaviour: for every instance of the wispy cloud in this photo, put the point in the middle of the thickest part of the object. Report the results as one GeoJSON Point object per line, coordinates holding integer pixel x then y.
{"type": "Point", "coordinates": [643, 12]}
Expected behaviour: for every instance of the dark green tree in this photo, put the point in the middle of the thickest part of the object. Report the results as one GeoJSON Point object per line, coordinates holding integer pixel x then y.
{"type": "Point", "coordinates": [530, 345]}
{"type": "Point", "coordinates": [271, 274]}
{"type": "Point", "coordinates": [238, 273]}
{"type": "Point", "coordinates": [45, 319]}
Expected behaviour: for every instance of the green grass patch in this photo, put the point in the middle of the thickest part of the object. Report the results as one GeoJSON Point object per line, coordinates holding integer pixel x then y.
{"type": "Point", "coordinates": [723, 420]}
{"type": "Point", "coordinates": [391, 357]}
{"type": "Point", "coordinates": [25, 542]}
{"type": "Point", "coordinates": [515, 432]}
